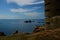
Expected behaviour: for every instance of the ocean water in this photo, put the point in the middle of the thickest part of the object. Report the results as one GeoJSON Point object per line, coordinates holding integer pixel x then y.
{"type": "Point", "coordinates": [9, 26]}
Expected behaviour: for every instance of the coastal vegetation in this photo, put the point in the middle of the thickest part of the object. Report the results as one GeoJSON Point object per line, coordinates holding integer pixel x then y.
{"type": "Point", "coordinates": [39, 35]}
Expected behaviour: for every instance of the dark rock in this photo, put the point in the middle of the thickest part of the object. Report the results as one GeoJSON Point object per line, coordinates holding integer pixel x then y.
{"type": "Point", "coordinates": [27, 33]}
{"type": "Point", "coordinates": [16, 32]}
{"type": "Point", "coordinates": [2, 34]}
{"type": "Point", "coordinates": [38, 29]}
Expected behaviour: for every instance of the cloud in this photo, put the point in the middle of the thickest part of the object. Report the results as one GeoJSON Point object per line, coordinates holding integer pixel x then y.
{"type": "Point", "coordinates": [21, 10]}
{"type": "Point", "coordinates": [28, 12]}
{"type": "Point", "coordinates": [25, 12]}
{"type": "Point", "coordinates": [2, 16]}
{"type": "Point", "coordinates": [32, 14]}
{"type": "Point", "coordinates": [37, 7]}
{"type": "Point", "coordinates": [25, 2]}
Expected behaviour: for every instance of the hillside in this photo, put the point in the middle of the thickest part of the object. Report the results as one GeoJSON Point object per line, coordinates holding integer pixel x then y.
{"type": "Point", "coordinates": [44, 35]}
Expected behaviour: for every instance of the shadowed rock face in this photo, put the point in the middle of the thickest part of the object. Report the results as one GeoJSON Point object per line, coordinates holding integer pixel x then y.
{"type": "Point", "coordinates": [52, 8]}
{"type": "Point", "coordinates": [52, 12]}
{"type": "Point", "coordinates": [2, 34]}
{"type": "Point", "coordinates": [54, 23]}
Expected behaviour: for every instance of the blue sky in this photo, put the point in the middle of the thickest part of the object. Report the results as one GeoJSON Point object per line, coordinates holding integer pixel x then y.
{"type": "Point", "coordinates": [21, 9]}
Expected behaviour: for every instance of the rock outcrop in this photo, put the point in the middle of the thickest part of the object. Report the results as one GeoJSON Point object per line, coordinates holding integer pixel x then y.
{"type": "Point", "coordinates": [2, 34]}
{"type": "Point", "coordinates": [52, 14]}
{"type": "Point", "coordinates": [38, 29]}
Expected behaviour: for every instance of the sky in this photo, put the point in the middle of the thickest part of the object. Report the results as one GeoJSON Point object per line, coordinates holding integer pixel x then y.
{"type": "Point", "coordinates": [21, 9]}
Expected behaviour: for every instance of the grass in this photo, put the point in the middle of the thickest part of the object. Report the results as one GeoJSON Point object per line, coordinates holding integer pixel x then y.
{"type": "Point", "coordinates": [45, 35]}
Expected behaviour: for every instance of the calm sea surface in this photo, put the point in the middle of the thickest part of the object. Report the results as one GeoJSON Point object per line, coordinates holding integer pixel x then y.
{"type": "Point", "coordinates": [9, 26]}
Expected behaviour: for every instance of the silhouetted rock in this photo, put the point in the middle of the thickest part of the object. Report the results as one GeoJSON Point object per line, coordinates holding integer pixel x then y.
{"type": "Point", "coordinates": [28, 21]}
{"type": "Point", "coordinates": [27, 33]}
{"type": "Point", "coordinates": [2, 34]}
{"type": "Point", "coordinates": [16, 32]}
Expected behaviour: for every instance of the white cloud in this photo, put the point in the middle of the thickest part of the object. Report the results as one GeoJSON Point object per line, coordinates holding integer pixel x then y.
{"type": "Point", "coordinates": [25, 12]}
{"type": "Point", "coordinates": [25, 2]}
{"type": "Point", "coordinates": [21, 10]}
{"type": "Point", "coordinates": [2, 16]}
{"type": "Point", "coordinates": [32, 14]}
{"type": "Point", "coordinates": [36, 7]}
{"type": "Point", "coordinates": [18, 10]}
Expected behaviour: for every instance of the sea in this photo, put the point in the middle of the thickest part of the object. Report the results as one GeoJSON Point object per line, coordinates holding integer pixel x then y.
{"type": "Point", "coordinates": [9, 26]}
